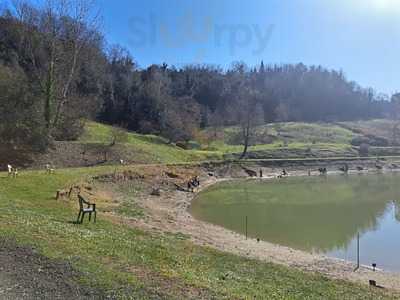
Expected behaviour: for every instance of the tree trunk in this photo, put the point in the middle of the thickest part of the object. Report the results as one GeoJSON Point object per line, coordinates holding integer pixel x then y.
{"type": "Point", "coordinates": [64, 96]}
{"type": "Point", "coordinates": [395, 133]}
{"type": "Point", "coordinates": [49, 97]}
{"type": "Point", "coordinates": [244, 153]}
{"type": "Point", "coordinates": [246, 136]}
{"type": "Point", "coordinates": [105, 155]}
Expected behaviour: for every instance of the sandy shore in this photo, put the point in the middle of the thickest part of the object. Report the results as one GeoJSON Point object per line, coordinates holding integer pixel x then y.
{"type": "Point", "coordinates": [169, 212]}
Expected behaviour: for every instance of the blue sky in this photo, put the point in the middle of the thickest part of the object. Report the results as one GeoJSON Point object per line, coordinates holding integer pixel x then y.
{"type": "Point", "coordinates": [361, 37]}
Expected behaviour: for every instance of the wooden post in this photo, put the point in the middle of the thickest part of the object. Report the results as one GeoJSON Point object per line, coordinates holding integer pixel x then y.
{"type": "Point", "coordinates": [246, 227]}
{"type": "Point", "coordinates": [358, 252]}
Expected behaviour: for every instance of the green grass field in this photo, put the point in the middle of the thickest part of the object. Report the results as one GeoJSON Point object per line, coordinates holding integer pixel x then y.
{"type": "Point", "coordinates": [133, 264]}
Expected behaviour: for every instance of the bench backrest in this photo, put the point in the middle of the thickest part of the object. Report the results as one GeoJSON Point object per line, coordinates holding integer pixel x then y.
{"type": "Point", "coordinates": [81, 201]}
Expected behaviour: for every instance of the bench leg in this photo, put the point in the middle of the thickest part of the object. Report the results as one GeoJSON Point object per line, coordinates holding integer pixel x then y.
{"type": "Point", "coordinates": [83, 215]}
{"type": "Point", "coordinates": [95, 216]}
{"type": "Point", "coordinates": [90, 216]}
{"type": "Point", "coordinates": [79, 215]}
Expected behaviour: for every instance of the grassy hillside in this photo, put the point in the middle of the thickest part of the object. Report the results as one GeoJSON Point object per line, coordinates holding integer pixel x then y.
{"type": "Point", "coordinates": [145, 148]}
{"type": "Point", "coordinates": [93, 149]}
{"type": "Point", "coordinates": [271, 141]}
{"type": "Point", "coordinates": [380, 128]}
{"type": "Point", "coordinates": [284, 140]}
{"type": "Point", "coordinates": [277, 140]}
{"type": "Point", "coordinates": [134, 264]}
{"type": "Point", "coordinates": [287, 135]}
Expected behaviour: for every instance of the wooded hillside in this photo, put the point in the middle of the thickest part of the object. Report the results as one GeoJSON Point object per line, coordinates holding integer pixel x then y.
{"type": "Point", "coordinates": [56, 69]}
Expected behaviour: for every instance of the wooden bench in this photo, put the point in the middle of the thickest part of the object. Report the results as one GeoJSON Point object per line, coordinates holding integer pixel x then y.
{"type": "Point", "coordinates": [89, 209]}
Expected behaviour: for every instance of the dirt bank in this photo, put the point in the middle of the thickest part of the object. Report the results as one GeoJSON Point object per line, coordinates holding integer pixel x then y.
{"type": "Point", "coordinates": [168, 213]}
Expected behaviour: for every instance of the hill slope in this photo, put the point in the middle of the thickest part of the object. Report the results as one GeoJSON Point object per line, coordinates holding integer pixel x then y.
{"type": "Point", "coordinates": [298, 140]}
{"type": "Point", "coordinates": [94, 148]}
{"type": "Point", "coordinates": [271, 141]}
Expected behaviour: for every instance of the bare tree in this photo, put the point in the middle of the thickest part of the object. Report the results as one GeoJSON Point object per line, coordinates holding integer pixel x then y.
{"type": "Point", "coordinates": [54, 37]}
{"type": "Point", "coordinates": [216, 121]}
{"type": "Point", "coordinates": [118, 135]}
{"type": "Point", "coordinates": [248, 112]}
{"type": "Point", "coordinates": [395, 102]}
{"type": "Point", "coordinates": [181, 118]}
{"type": "Point", "coordinates": [282, 113]}
{"type": "Point", "coordinates": [250, 116]}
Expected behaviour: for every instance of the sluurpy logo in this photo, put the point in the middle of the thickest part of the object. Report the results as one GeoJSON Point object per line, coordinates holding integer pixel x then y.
{"type": "Point", "coordinates": [201, 33]}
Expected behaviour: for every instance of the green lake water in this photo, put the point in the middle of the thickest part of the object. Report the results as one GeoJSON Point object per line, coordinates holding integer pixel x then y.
{"type": "Point", "coordinates": [315, 214]}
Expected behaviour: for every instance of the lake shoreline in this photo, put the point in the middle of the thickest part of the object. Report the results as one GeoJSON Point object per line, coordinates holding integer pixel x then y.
{"type": "Point", "coordinates": [169, 213]}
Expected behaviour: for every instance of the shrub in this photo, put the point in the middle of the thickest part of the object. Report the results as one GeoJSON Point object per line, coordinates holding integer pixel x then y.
{"type": "Point", "coordinates": [363, 149]}
{"type": "Point", "coordinates": [370, 140]}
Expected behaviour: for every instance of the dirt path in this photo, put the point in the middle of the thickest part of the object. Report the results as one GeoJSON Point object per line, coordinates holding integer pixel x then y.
{"type": "Point", "coordinates": [169, 213]}
{"type": "Point", "coordinates": [24, 274]}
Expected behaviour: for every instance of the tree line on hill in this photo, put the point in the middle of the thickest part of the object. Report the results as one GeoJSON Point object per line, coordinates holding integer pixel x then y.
{"type": "Point", "coordinates": [56, 70]}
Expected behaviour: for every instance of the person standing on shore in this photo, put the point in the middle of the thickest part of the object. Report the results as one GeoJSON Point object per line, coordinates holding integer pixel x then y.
{"type": "Point", "coordinates": [10, 169]}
